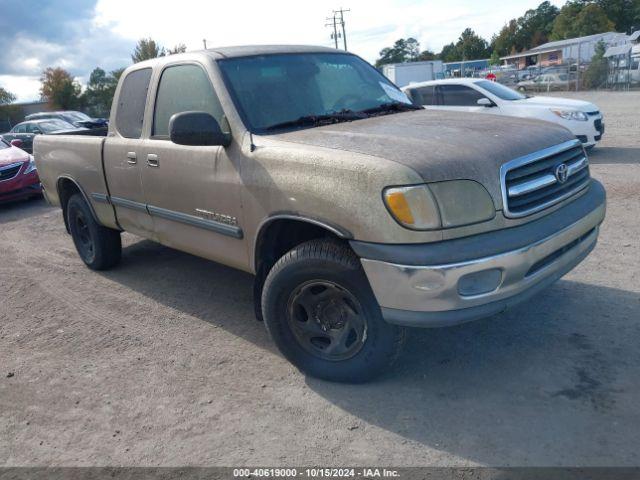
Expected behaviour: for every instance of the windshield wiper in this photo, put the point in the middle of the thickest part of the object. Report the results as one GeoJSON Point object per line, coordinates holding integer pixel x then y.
{"type": "Point", "coordinates": [391, 107]}
{"type": "Point", "coordinates": [318, 120]}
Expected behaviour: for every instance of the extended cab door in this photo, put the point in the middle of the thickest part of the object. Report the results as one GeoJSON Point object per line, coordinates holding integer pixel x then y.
{"type": "Point", "coordinates": [123, 157]}
{"type": "Point", "coordinates": [192, 192]}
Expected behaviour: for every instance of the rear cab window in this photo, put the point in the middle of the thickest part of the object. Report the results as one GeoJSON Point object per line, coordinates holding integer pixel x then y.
{"type": "Point", "coordinates": [131, 103]}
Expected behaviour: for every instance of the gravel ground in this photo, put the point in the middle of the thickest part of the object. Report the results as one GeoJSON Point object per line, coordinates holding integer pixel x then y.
{"type": "Point", "coordinates": [160, 361]}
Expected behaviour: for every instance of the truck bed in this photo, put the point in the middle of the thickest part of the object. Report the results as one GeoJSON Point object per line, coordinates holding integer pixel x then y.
{"type": "Point", "coordinates": [60, 158]}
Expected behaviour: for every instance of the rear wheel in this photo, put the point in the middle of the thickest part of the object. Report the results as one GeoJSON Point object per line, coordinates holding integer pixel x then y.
{"type": "Point", "coordinates": [321, 312]}
{"type": "Point", "coordinates": [99, 247]}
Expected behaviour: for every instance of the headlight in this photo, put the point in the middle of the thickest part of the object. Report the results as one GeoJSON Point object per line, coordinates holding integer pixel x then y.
{"type": "Point", "coordinates": [440, 205]}
{"type": "Point", "coordinates": [571, 115]}
{"type": "Point", "coordinates": [31, 167]}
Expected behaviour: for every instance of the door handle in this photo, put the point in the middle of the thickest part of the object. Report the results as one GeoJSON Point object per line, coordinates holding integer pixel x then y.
{"type": "Point", "coordinates": [131, 158]}
{"type": "Point", "coordinates": [152, 160]}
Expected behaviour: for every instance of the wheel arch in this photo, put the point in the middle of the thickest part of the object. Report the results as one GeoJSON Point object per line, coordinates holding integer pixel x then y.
{"type": "Point", "coordinates": [66, 187]}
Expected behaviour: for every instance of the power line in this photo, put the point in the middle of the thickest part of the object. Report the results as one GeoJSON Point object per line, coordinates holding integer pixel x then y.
{"type": "Point", "coordinates": [334, 21]}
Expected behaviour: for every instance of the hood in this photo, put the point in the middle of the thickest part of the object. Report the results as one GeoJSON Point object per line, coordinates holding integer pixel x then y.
{"type": "Point", "coordinates": [551, 102]}
{"type": "Point", "coordinates": [439, 145]}
{"type": "Point", "coordinates": [12, 155]}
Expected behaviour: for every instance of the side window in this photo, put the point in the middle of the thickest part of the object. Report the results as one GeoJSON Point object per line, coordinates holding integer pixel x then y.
{"type": "Point", "coordinates": [131, 103]}
{"type": "Point", "coordinates": [32, 128]}
{"type": "Point", "coordinates": [459, 96]}
{"type": "Point", "coordinates": [183, 88]}
{"type": "Point", "coordinates": [20, 128]}
{"type": "Point", "coordinates": [424, 95]}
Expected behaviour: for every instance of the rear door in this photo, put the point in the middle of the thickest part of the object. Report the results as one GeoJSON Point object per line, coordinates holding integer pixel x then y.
{"type": "Point", "coordinates": [458, 98]}
{"type": "Point", "coordinates": [123, 155]}
{"type": "Point", "coordinates": [192, 192]}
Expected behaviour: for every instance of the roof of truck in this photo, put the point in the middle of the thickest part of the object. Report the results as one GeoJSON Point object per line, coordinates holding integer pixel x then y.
{"type": "Point", "coordinates": [248, 50]}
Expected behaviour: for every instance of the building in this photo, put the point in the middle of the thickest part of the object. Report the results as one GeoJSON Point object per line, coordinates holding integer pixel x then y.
{"type": "Point", "coordinates": [624, 62]}
{"type": "Point", "coordinates": [563, 52]}
{"type": "Point", "coordinates": [402, 74]}
{"type": "Point", "coordinates": [465, 68]}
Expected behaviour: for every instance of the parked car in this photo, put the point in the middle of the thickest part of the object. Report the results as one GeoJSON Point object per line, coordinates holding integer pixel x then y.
{"type": "Point", "coordinates": [547, 82]}
{"type": "Point", "coordinates": [18, 174]}
{"type": "Point", "coordinates": [26, 131]}
{"type": "Point", "coordinates": [583, 119]}
{"type": "Point", "coordinates": [77, 119]}
{"type": "Point", "coordinates": [358, 212]}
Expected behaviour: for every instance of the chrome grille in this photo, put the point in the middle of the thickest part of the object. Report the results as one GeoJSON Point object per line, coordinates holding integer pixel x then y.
{"type": "Point", "coordinates": [9, 171]}
{"type": "Point", "coordinates": [534, 182]}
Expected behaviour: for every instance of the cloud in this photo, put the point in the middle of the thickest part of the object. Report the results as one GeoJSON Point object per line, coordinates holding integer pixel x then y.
{"type": "Point", "coordinates": [82, 34]}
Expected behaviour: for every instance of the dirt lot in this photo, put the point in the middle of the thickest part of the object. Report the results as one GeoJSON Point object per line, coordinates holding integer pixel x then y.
{"type": "Point", "coordinates": [160, 361]}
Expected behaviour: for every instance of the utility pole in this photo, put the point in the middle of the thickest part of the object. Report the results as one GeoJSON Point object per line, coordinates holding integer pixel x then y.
{"type": "Point", "coordinates": [333, 23]}
{"type": "Point", "coordinates": [204, 41]}
{"type": "Point", "coordinates": [341, 12]}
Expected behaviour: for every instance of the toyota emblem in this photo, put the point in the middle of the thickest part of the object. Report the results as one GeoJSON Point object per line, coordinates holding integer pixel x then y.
{"type": "Point", "coordinates": [562, 172]}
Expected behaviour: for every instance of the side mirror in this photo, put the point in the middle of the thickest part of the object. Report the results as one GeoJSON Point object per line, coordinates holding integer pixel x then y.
{"type": "Point", "coordinates": [197, 129]}
{"type": "Point", "coordinates": [16, 142]}
{"type": "Point", "coordinates": [485, 102]}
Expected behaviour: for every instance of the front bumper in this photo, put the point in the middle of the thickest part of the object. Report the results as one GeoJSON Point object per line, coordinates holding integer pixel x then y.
{"type": "Point", "coordinates": [589, 132]}
{"type": "Point", "coordinates": [508, 266]}
{"type": "Point", "coordinates": [20, 186]}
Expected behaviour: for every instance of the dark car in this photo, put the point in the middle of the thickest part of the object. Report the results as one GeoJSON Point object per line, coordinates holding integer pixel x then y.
{"type": "Point", "coordinates": [73, 117]}
{"type": "Point", "coordinates": [25, 131]}
{"type": "Point", "coordinates": [18, 174]}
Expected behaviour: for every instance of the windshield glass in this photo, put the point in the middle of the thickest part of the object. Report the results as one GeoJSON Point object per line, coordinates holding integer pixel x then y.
{"type": "Point", "coordinates": [53, 125]}
{"type": "Point", "coordinates": [3, 144]}
{"type": "Point", "coordinates": [500, 91]}
{"type": "Point", "coordinates": [274, 89]}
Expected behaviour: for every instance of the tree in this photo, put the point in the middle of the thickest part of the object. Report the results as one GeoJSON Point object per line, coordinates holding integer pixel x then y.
{"type": "Point", "coordinates": [449, 53]}
{"type": "Point", "coordinates": [145, 49]}
{"type": "Point", "coordinates": [60, 88]}
{"type": "Point", "coordinates": [625, 14]}
{"type": "Point", "coordinates": [495, 58]}
{"type": "Point", "coordinates": [528, 31]}
{"type": "Point", "coordinates": [100, 91]}
{"type": "Point", "coordinates": [579, 18]}
{"type": "Point", "coordinates": [6, 96]}
{"type": "Point", "coordinates": [404, 50]}
{"type": "Point", "coordinates": [426, 55]}
{"type": "Point", "coordinates": [180, 48]}
{"type": "Point", "coordinates": [470, 46]}
{"type": "Point", "coordinates": [596, 73]}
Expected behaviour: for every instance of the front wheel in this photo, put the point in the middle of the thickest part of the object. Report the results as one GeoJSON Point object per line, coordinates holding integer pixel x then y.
{"type": "Point", "coordinates": [99, 247]}
{"type": "Point", "coordinates": [321, 313]}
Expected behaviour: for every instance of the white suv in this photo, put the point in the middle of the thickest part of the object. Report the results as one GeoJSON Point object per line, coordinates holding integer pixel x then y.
{"type": "Point", "coordinates": [583, 119]}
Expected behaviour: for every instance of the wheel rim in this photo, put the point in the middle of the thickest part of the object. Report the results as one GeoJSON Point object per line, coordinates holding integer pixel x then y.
{"type": "Point", "coordinates": [327, 320]}
{"type": "Point", "coordinates": [84, 242]}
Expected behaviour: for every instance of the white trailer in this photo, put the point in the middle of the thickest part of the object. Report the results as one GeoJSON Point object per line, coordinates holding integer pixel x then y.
{"type": "Point", "coordinates": [402, 74]}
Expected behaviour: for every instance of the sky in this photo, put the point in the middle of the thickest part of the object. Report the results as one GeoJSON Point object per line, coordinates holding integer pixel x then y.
{"type": "Point", "coordinates": [80, 35]}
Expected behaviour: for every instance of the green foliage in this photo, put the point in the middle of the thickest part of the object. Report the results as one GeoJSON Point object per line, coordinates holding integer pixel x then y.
{"type": "Point", "coordinates": [596, 73]}
{"type": "Point", "coordinates": [6, 96]}
{"type": "Point", "coordinates": [180, 48]}
{"type": "Point", "coordinates": [449, 53]}
{"type": "Point", "coordinates": [427, 55]}
{"type": "Point", "coordinates": [100, 90]}
{"type": "Point", "coordinates": [404, 50]}
{"type": "Point", "coordinates": [625, 14]}
{"type": "Point", "coordinates": [579, 18]}
{"type": "Point", "coordinates": [528, 31]}
{"type": "Point", "coordinates": [60, 88]}
{"type": "Point", "coordinates": [146, 49]}
{"type": "Point", "coordinates": [495, 58]}
{"type": "Point", "coordinates": [471, 46]}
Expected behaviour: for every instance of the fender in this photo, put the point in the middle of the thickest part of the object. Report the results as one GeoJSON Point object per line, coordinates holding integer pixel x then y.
{"type": "Point", "coordinates": [82, 192]}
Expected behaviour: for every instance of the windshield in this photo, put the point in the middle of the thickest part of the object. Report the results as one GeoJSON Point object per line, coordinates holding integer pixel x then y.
{"type": "Point", "coordinates": [3, 144]}
{"type": "Point", "coordinates": [500, 91]}
{"type": "Point", "coordinates": [275, 89]}
{"type": "Point", "coordinates": [53, 125]}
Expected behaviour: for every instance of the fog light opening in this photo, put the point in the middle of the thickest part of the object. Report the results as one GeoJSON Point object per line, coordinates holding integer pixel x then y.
{"type": "Point", "coordinates": [478, 283]}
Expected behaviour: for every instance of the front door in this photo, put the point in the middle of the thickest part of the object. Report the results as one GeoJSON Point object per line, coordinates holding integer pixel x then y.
{"type": "Point", "coordinates": [191, 192]}
{"type": "Point", "coordinates": [459, 98]}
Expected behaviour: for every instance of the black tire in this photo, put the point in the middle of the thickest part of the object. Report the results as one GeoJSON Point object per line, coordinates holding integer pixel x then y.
{"type": "Point", "coordinates": [99, 247]}
{"type": "Point", "coordinates": [326, 277]}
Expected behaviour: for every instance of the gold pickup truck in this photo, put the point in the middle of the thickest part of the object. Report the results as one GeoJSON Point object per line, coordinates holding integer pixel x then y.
{"type": "Point", "coordinates": [358, 212]}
